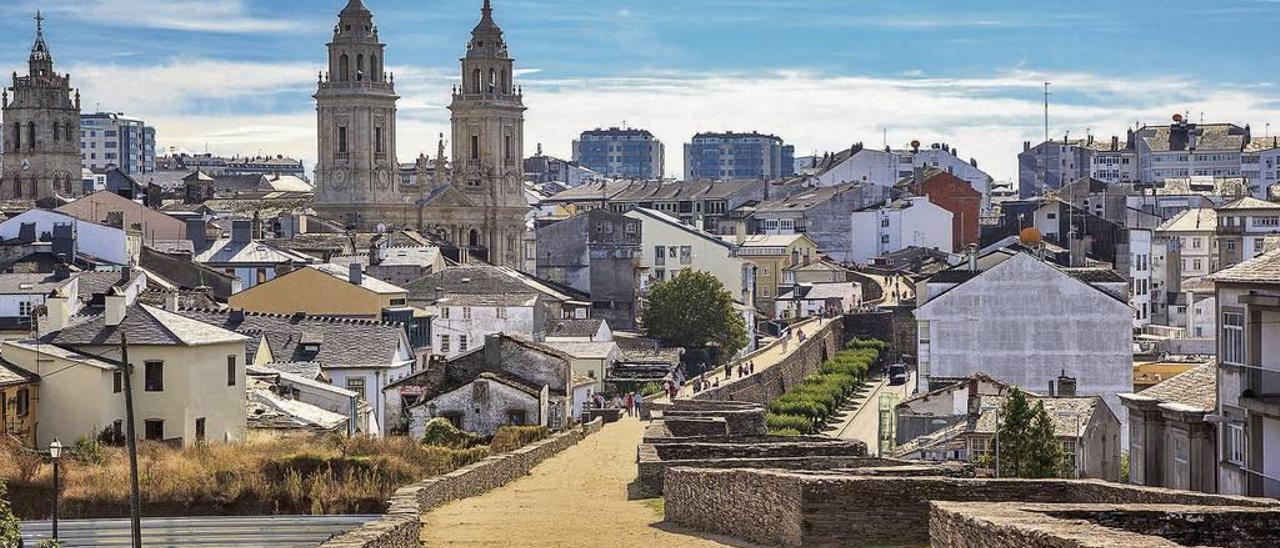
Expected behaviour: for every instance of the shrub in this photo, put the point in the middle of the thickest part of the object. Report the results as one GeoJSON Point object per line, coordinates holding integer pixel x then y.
{"type": "Point", "coordinates": [10, 533]}
{"type": "Point", "coordinates": [89, 451]}
{"type": "Point", "coordinates": [789, 422]}
{"type": "Point", "coordinates": [442, 433]}
{"type": "Point", "coordinates": [786, 432]}
{"type": "Point", "coordinates": [510, 438]}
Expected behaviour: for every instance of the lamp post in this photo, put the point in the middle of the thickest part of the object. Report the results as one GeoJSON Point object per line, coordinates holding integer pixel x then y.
{"type": "Point", "coordinates": [55, 454]}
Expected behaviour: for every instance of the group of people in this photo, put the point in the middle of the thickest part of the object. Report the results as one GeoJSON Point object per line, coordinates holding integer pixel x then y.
{"type": "Point", "coordinates": [701, 383]}
{"type": "Point", "coordinates": [743, 369]}
{"type": "Point", "coordinates": [629, 402]}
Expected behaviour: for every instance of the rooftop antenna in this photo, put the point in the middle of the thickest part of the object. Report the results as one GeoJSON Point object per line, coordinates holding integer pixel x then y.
{"type": "Point", "coordinates": [1044, 166]}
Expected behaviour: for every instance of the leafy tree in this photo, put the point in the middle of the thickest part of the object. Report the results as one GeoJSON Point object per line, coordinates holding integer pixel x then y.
{"type": "Point", "coordinates": [1028, 446]}
{"type": "Point", "coordinates": [694, 309]}
{"type": "Point", "coordinates": [10, 534]}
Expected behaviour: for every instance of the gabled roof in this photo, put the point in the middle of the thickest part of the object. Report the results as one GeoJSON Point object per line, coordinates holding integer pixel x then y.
{"type": "Point", "coordinates": [674, 222]}
{"type": "Point", "coordinates": [144, 325]}
{"type": "Point", "coordinates": [573, 327]}
{"type": "Point", "coordinates": [1195, 389]}
{"type": "Point", "coordinates": [366, 281]}
{"type": "Point", "coordinates": [960, 274]}
{"type": "Point", "coordinates": [1070, 414]}
{"type": "Point", "coordinates": [488, 280]}
{"type": "Point", "coordinates": [226, 251]}
{"type": "Point", "coordinates": [11, 374]}
{"type": "Point", "coordinates": [30, 284]}
{"type": "Point", "coordinates": [1263, 269]}
{"type": "Point", "coordinates": [817, 291]}
{"type": "Point", "coordinates": [1249, 202]}
{"type": "Point", "coordinates": [1196, 219]}
{"type": "Point", "coordinates": [347, 343]}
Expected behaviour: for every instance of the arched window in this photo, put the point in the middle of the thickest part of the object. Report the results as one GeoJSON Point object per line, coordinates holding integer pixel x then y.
{"type": "Point", "coordinates": [57, 131]}
{"type": "Point", "coordinates": [70, 131]}
{"type": "Point", "coordinates": [475, 81]}
{"type": "Point", "coordinates": [344, 68]}
{"type": "Point", "coordinates": [473, 239]}
{"type": "Point", "coordinates": [493, 80]}
{"type": "Point", "coordinates": [375, 71]}
{"type": "Point", "coordinates": [360, 67]}
{"type": "Point", "coordinates": [502, 82]}
{"type": "Point", "coordinates": [17, 137]}
{"type": "Point", "coordinates": [31, 135]}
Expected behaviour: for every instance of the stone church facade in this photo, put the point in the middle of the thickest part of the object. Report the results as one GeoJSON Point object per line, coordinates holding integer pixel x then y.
{"type": "Point", "coordinates": [41, 130]}
{"type": "Point", "coordinates": [480, 206]}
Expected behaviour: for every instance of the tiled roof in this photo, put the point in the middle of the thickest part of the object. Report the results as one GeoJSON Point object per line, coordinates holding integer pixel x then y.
{"type": "Point", "coordinates": [30, 284]}
{"type": "Point", "coordinates": [99, 283]}
{"type": "Point", "coordinates": [1249, 202]}
{"type": "Point", "coordinates": [224, 251]}
{"type": "Point", "coordinates": [366, 281]}
{"type": "Point", "coordinates": [1069, 414]}
{"type": "Point", "coordinates": [11, 374]}
{"type": "Point", "coordinates": [1209, 137]}
{"type": "Point", "coordinates": [585, 350]}
{"type": "Point", "coordinates": [573, 328]}
{"type": "Point", "coordinates": [1197, 219]}
{"type": "Point", "coordinates": [1263, 269]}
{"type": "Point", "coordinates": [144, 325]}
{"type": "Point", "coordinates": [346, 342]}
{"type": "Point", "coordinates": [674, 222]}
{"type": "Point", "coordinates": [1195, 389]}
{"type": "Point", "coordinates": [1095, 275]}
{"type": "Point", "coordinates": [486, 280]}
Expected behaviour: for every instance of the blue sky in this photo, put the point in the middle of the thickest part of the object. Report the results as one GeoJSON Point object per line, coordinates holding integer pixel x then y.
{"type": "Point", "coordinates": [236, 76]}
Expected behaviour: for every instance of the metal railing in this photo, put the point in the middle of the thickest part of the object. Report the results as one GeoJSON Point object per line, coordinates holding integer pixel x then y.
{"type": "Point", "coordinates": [1261, 383]}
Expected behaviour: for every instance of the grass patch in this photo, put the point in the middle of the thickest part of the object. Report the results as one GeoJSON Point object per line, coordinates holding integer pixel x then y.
{"type": "Point", "coordinates": [658, 505]}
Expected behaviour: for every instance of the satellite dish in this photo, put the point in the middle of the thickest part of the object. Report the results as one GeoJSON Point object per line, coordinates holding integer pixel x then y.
{"type": "Point", "coordinates": [915, 144]}
{"type": "Point", "coordinates": [1030, 236]}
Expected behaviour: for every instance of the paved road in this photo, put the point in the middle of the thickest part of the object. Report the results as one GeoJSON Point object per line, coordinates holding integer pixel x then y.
{"type": "Point", "coordinates": [863, 424]}
{"type": "Point", "coordinates": [257, 531]}
{"type": "Point", "coordinates": [767, 357]}
{"type": "Point", "coordinates": [577, 498]}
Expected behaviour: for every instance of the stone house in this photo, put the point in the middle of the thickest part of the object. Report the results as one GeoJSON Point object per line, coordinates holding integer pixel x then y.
{"type": "Point", "coordinates": [1170, 442]}
{"type": "Point", "coordinates": [1248, 411]}
{"type": "Point", "coordinates": [590, 360]}
{"type": "Point", "coordinates": [928, 412]}
{"type": "Point", "coordinates": [189, 375]}
{"type": "Point", "coordinates": [488, 402]}
{"type": "Point", "coordinates": [1026, 322]}
{"type": "Point", "coordinates": [19, 396]}
{"type": "Point", "coordinates": [595, 252]}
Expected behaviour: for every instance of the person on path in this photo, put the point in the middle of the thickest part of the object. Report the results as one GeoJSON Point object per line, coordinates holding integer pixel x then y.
{"type": "Point", "coordinates": [638, 401]}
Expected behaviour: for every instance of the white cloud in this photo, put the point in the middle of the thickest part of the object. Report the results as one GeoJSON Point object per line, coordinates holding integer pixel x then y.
{"type": "Point", "coordinates": [194, 103]}
{"type": "Point", "coordinates": [187, 15]}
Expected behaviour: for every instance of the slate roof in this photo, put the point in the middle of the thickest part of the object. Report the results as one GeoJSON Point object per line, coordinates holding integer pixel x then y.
{"type": "Point", "coordinates": [224, 251]}
{"type": "Point", "coordinates": [30, 284]}
{"type": "Point", "coordinates": [1210, 137]}
{"type": "Point", "coordinates": [1262, 143]}
{"type": "Point", "coordinates": [266, 409]}
{"type": "Point", "coordinates": [1195, 389]}
{"type": "Point", "coordinates": [817, 291]}
{"type": "Point", "coordinates": [145, 325]}
{"type": "Point", "coordinates": [1069, 414]}
{"type": "Point", "coordinates": [347, 343]}
{"type": "Point", "coordinates": [1190, 220]}
{"type": "Point", "coordinates": [409, 256]}
{"type": "Point", "coordinates": [1249, 202]}
{"type": "Point", "coordinates": [604, 190]}
{"type": "Point", "coordinates": [584, 350]}
{"type": "Point", "coordinates": [672, 221]}
{"type": "Point", "coordinates": [366, 281]}
{"type": "Point", "coordinates": [768, 240]}
{"type": "Point", "coordinates": [573, 327]}
{"type": "Point", "coordinates": [486, 280]}
{"type": "Point", "coordinates": [173, 247]}
{"type": "Point", "coordinates": [1263, 269]}
{"type": "Point", "coordinates": [1095, 275]}
{"type": "Point", "coordinates": [99, 283]}
{"type": "Point", "coordinates": [11, 374]}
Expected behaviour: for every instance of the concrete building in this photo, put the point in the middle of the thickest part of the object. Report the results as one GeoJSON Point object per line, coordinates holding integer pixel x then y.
{"type": "Point", "coordinates": [595, 252]}
{"type": "Point", "coordinates": [190, 376]}
{"type": "Point", "coordinates": [819, 213]}
{"type": "Point", "coordinates": [908, 222]}
{"type": "Point", "coordinates": [348, 292]}
{"type": "Point", "coordinates": [732, 155]}
{"type": "Point", "coordinates": [541, 168]}
{"type": "Point", "coordinates": [1260, 164]}
{"type": "Point", "coordinates": [111, 139]}
{"type": "Point", "coordinates": [1115, 163]}
{"type": "Point", "coordinates": [623, 153]}
{"type": "Point", "coordinates": [40, 126]}
{"type": "Point", "coordinates": [887, 167]}
{"type": "Point", "coordinates": [1170, 442]}
{"type": "Point", "coordinates": [1193, 247]}
{"type": "Point", "coordinates": [1186, 149]}
{"type": "Point", "coordinates": [1026, 322]}
{"type": "Point", "coordinates": [953, 194]}
{"type": "Point", "coordinates": [99, 241]}
{"type": "Point", "coordinates": [772, 257]}
{"type": "Point", "coordinates": [668, 246]}
{"type": "Point", "coordinates": [214, 165]}
{"type": "Point", "coordinates": [1243, 227]}
{"type": "Point", "coordinates": [1051, 164]}
{"type": "Point", "coordinates": [1248, 399]}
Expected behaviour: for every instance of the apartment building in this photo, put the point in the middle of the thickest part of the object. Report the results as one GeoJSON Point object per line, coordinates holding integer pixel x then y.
{"type": "Point", "coordinates": [112, 139]}
{"type": "Point", "coordinates": [621, 152]}
{"type": "Point", "coordinates": [732, 155]}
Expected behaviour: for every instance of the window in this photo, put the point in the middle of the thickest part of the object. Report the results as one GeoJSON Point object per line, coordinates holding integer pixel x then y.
{"type": "Point", "coordinates": [444, 312]}
{"type": "Point", "coordinates": [673, 252]}
{"type": "Point", "coordinates": [200, 430]}
{"type": "Point", "coordinates": [342, 140]}
{"type": "Point", "coordinates": [516, 417]}
{"type": "Point", "coordinates": [1233, 338]}
{"type": "Point", "coordinates": [686, 255]}
{"type": "Point", "coordinates": [231, 370]}
{"type": "Point", "coordinates": [24, 309]}
{"type": "Point", "coordinates": [1195, 243]}
{"type": "Point", "coordinates": [1266, 221]}
{"type": "Point", "coordinates": [1236, 441]}
{"type": "Point", "coordinates": [377, 140]}
{"type": "Point", "coordinates": [475, 147]}
{"type": "Point", "coordinates": [462, 343]}
{"type": "Point", "coordinates": [659, 256]}
{"type": "Point", "coordinates": [154, 377]}
{"type": "Point", "coordinates": [466, 312]}
{"type": "Point", "coordinates": [444, 344]}
{"type": "Point", "coordinates": [502, 312]}
{"type": "Point", "coordinates": [117, 382]}
{"type": "Point", "coordinates": [153, 430]}
{"type": "Point", "coordinates": [22, 400]}
{"type": "Point", "coordinates": [356, 384]}
{"type": "Point", "coordinates": [262, 276]}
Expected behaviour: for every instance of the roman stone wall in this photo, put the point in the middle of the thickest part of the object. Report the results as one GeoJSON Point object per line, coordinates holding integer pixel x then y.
{"type": "Point", "coordinates": [401, 526]}
{"type": "Point", "coordinates": [767, 384]}
{"type": "Point", "coordinates": [842, 510]}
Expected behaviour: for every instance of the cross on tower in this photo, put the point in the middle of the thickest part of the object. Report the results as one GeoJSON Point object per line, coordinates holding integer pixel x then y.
{"type": "Point", "coordinates": [39, 22]}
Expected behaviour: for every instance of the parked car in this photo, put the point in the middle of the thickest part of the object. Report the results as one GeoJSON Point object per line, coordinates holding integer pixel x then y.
{"type": "Point", "coordinates": [898, 374]}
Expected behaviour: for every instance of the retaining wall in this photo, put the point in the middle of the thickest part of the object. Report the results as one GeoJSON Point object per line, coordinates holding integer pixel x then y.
{"type": "Point", "coordinates": [841, 510]}
{"type": "Point", "coordinates": [401, 526]}
{"type": "Point", "coordinates": [767, 384]}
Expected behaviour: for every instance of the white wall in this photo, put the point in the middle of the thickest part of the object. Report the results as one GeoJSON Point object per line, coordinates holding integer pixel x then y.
{"type": "Point", "coordinates": [922, 225]}
{"type": "Point", "coordinates": [708, 253]}
{"type": "Point", "coordinates": [101, 241]}
{"type": "Point", "coordinates": [483, 321]}
{"type": "Point", "coordinates": [1140, 255]}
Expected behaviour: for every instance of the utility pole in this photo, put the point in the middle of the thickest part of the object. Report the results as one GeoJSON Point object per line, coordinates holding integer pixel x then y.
{"type": "Point", "coordinates": [1044, 174]}
{"type": "Point", "coordinates": [135, 498]}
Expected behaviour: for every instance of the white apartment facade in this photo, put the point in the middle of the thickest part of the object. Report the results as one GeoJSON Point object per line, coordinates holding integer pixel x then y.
{"type": "Point", "coordinates": [887, 167]}
{"type": "Point", "coordinates": [111, 139]}
{"type": "Point", "coordinates": [660, 234]}
{"type": "Point", "coordinates": [905, 223]}
{"type": "Point", "coordinates": [463, 321]}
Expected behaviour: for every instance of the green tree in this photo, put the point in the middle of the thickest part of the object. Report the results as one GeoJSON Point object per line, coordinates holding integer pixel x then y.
{"type": "Point", "coordinates": [694, 309]}
{"type": "Point", "coordinates": [10, 534]}
{"type": "Point", "coordinates": [1028, 446]}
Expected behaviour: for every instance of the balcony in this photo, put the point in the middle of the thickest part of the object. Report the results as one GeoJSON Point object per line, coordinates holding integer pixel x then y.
{"type": "Point", "coordinates": [1261, 391]}
{"type": "Point", "coordinates": [360, 86]}
{"type": "Point", "coordinates": [1233, 230]}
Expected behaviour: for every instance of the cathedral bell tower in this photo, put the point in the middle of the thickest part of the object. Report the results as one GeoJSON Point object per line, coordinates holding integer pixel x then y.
{"type": "Point", "coordinates": [488, 143]}
{"type": "Point", "coordinates": [41, 130]}
{"type": "Point", "coordinates": [357, 176]}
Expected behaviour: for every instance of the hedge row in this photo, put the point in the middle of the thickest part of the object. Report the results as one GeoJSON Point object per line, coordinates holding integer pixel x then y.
{"type": "Point", "coordinates": [806, 407]}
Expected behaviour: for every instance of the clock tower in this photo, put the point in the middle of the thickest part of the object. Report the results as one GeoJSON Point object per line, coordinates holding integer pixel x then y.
{"type": "Point", "coordinates": [41, 130]}
{"type": "Point", "coordinates": [357, 176]}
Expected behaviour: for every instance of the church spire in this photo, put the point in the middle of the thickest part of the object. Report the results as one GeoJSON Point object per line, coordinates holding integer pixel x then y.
{"type": "Point", "coordinates": [486, 38]}
{"type": "Point", "coordinates": [40, 50]}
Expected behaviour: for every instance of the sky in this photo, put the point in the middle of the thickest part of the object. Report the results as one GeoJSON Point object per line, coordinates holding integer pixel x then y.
{"type": "Point", "coordinates": [236, 76]}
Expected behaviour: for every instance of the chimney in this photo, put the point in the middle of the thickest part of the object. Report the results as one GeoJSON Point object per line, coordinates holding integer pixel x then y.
{"type": "Point", "coordinates": [356, 274]}
{"type": "Point", "coordinates": [126, 274]}
{"type": "Point", "coordinates": [115, 307]}
{"type": "Point", "coordinates": [917, 175]}
{"type": "Point", "coordinates": [64, 239]}
{"type": "Point", "coordinates": [171, 301]}
{"type": "Point", "coordinates": [974, 402]}
{"type": "Point", "coordinates": [236, 315]}
{"type": "Point", "coordinates": [1066, 385]}
{"type": "Point", "coordinates": [1026, 146]}
{"type": "Point", "coordinates": [61, 271]}
{"type": "Point", "coordinates": [493, 348]}
{"type": "Point", "coordinates": [972, 253]}
{"type": "Point", "coordinates": [57, 311]}
{"type": "Point", "coordinates": [241, 231]}
{"type": "Point", "coordinates": [27, 233]}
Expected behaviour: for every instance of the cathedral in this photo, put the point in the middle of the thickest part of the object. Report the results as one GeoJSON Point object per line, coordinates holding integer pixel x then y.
{"type": "Point", "coordinates": [41, 130]}
{"type": "Point", "coordinates": [477, 203]}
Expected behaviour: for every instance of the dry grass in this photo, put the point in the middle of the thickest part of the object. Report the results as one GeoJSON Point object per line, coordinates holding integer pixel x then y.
{"type": "Point", "coordinates": [289, 476]}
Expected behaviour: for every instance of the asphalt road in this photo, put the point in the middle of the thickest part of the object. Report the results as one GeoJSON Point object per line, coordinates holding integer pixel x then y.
{"type": "Point", "coordinates": [864, 423]}
{"type": "Point", "coordinates": [228, 531]}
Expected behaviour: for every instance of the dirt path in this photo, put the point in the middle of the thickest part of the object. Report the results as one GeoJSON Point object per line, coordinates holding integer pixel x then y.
{"type": "Point", "coordinates": [577, 498]}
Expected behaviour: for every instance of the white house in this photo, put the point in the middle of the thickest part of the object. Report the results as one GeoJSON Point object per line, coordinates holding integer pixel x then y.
{"type": "Point", "coordinates": [188, 381]}
{"type": "Point", "coordinates": [887, 167]}
{"type": "Point", "coordinates": [100, 241]}
{"type": "Point", "coordinates": [1140, 276]}
{"type": "Point", "coordinates": [803, 300]}
{"type": "Point", "coordinates": [462, 321]}
{"type": "Point", "coordinates": [909, 222]}
{"type": "Point", "coordinates": [1026, 322]}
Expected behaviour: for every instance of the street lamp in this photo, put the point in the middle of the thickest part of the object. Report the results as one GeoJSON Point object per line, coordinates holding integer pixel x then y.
{"type": "Point", "coordinates": [55, 454]}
